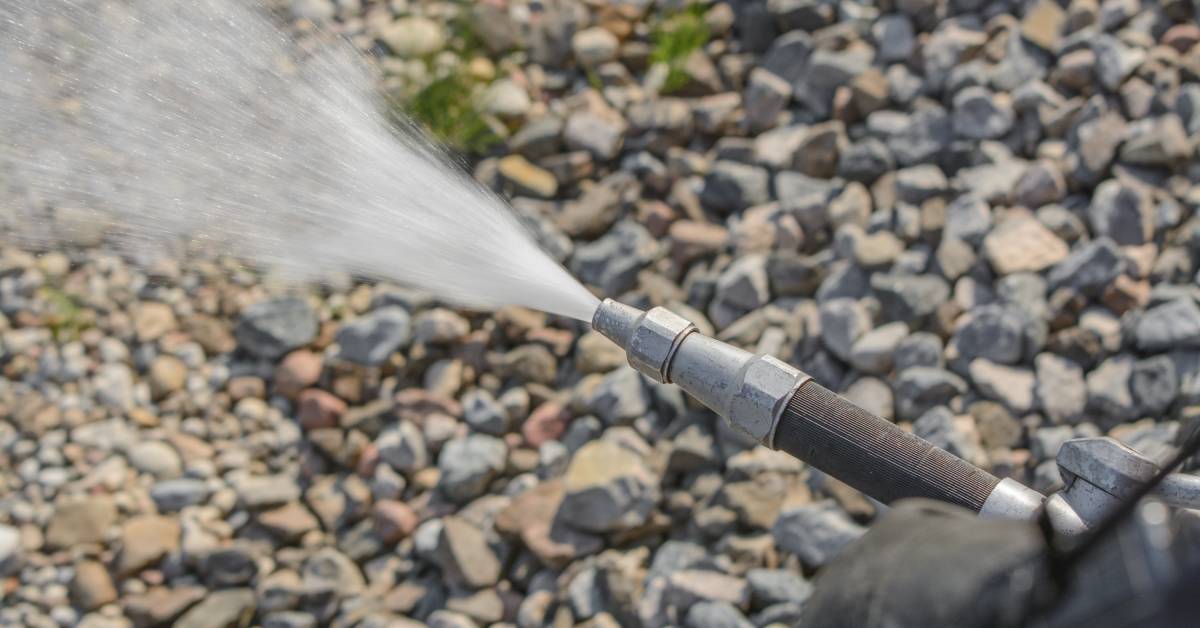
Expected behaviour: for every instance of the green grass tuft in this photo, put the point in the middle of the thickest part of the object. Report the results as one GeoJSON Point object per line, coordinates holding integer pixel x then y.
{"type": "Point", "coordinates": [675, 38]}
{"type": "Point", "coordinates": [447, 108]}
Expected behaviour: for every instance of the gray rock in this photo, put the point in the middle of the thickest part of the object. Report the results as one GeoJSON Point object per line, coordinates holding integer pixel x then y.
{"type": "Point", "coordinates": [1172, 325]}
{"type": "Point", "coordinates": [175, 495]}
{"type": "Point", "coordinates": [909, 298]}
{"type": "Point", "coordinates": [608, 488]}
{"type": "Point", "coordinates": [1156, 142]}
{"type": "Point", "coordinates": [620, 398]}
{"type": "Point", "coordinates": [269, 329]}
{"type": "Point", "coordinates": [828, 70]}
{"type": "Point", "coordinates": [919, 349]}
{"type": "Point", "coordinates": [733, 186]}
{"type": "Point", "coordinates": [327, 569]}
{"type": "Point", "coordinates": [484, 414]}
{"type": "Point", "coordinates": [289, 619]}
{"type": "Point", "coordinates": [372, 339]}
{"type": "Point", "coordinates": [873, 395]}
{"type": "Point", "coordinates": [765, 98]}
{"type": "Point", "coordinates": [1154, 385]}
{"type": "Point", "coordinates": [1061, 391]}
{"type": "Point", "coordinates": [539, 138]}
{"type": "Point", "coordinates": [600, 135]}
{"type": "Point", "coordinates": [999, 332]}
{"type": "Point", "coordinates": [469, 464]}
{"type": "Point", "coordinates": [894, 37]}
{"type": "Point", "coordinates": [156, 458]}
{"type": "Point", "coordinates": [464, 554]}
{"type": "Point", "coordinates": [612, 262]}
{"type": "Point", "coordinates": [226, 607]}
{"type": "Point", "coordinates": [968, 218]}
{"type": "Point", "coordinates": [1093, 143]}
{"type": "Point", "coordinates": [1089, 268]}
{"type": "Point", "coordinates": [843, 321]}
{"type": "Point", "coordinates": [865, 160]}
{"type": "Point", "coordinates": [980, 114]}
{"type": "Point", "coordinates": [1114, 60]}
{"type": "Point", "coordinates": [1187, 105]}
{"type": "Point", "coordinates": [788, 55]}
{"type": "Point", "coordinates": [10, 550]}
{"type": "Point", "coordinates": [402, 446]}
{"type": "Point", "coordinates": [1122, 213]}
{"type": "Point", "coordinates": [1014, 387]}
{"type": "Point", "coordinates": [1042, 183]}
{"type": "Point", "coordinates": [919, 388]}
{"type": "Point", "coordinates": [715, 614]}
{"type": "Point", "coordinates": [776, 586]}
{"type": "Point", "coordinates": [917, 184]}
{"type": "Point", "coordinates": [939, 427]}
{"type": "Point", "coordinates": [815, 532]}
{"type": "Point", "coordinates": [923, 135]}
{"type": "Point", "coordinates": [741, 287]}
{"type": "Point", "coordinates": [872, 352]}
{"type": "Point", "coordinates": [260, 491]}
{"type": "Point", "coordinates": [229, 567]}
{"type": "Point", "coordinates": [1110, 400]}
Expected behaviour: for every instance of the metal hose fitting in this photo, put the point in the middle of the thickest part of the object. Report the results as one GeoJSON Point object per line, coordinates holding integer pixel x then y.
{"type": "Point", "coordinates": [782, 408]}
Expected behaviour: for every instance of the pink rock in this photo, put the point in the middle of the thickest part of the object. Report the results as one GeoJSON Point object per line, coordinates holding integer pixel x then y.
{"type": "Point", "coordinates": [1182, 37]}
{"type": "Point", "coordinates": [319, 409]}
{"type": "Point", "coordinates": [394, 520]}
{"type": "Point", "coordinates": [298, 370]}
{"type": "Point", "coordinates": [547, 422]}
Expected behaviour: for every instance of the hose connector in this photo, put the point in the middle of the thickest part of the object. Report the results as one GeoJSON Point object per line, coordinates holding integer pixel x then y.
{"type": "Point", "coordinates": [749, 391]}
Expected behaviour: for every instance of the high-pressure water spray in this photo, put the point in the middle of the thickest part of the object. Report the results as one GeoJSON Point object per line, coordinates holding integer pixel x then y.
{"type": "Point", "coordinates": [783, 408]}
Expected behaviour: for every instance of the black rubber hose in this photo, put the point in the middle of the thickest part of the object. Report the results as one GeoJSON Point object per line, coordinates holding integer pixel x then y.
{"type": "Point", "coordinates": [873, 455]}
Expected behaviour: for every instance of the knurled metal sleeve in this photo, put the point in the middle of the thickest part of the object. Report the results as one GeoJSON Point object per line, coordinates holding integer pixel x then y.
{"type": "Point", "coordinates": [873, 455]}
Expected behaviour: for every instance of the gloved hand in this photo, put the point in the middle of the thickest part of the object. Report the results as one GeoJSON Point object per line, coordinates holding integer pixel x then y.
{"type": "Point", "coordinates": [926, 564]}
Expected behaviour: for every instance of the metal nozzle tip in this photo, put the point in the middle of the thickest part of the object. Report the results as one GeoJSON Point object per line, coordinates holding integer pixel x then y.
{"type": "Point", "coordinates": [616, 321]}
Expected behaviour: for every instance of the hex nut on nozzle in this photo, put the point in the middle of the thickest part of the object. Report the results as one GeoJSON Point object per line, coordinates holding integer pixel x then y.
{"type": "Point", "coordinates": [649, 339]}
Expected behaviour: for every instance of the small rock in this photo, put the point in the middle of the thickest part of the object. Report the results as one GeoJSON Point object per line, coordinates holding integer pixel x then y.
{"type": "Point", "coordinates": [1109, 398]}
{"type": "Point", "coordinates": [528, 178]}
{"type": "Point", "coordinates": [227, 607]}
{"type": "Point", "coordinates": [1089, 268]}
{"type": "Point", "coordinates": [843, 321]}
{"type": "Point", "coordinates": [909, 298]}
{"type": "Point", "coordinates": [297, 371]}
{"type": "Point", "coordinates": [608, 487]}
{"type": "Point", "coordinates": [372, 339]}
{"type": "Point", "coordinates": [145, 540]}
{"type": "Point", "coordinates": [271, 328]}
{"type": "Point", "coordinates": [1011, 386]}
{"type": "Point", "coordinates": [1061, 391]}
{"type": "Point", "coordinates": [1020, 245]}
{"type": "Point", "coordinates": [156, 458]}
{"type": "Point", "coordinates": [733, 186]}
{"type": "Point", "coordinates": [815, 532]}
{"type": "Point", "coordinates": [413, 36]}
{"type": "Point", "coordinates": [1120, 212]}
{"type": "Point", "coordinates": [484, 414]}
{"type": "Point", "coordinates": [81, 521]}
{"type": "Point", "coordinates": [465, 556]}
{"type": "Point", "coordinates": [92, 586]}
{"type": "Point", "coordinates": [593, 46]}
{"type": "Point", "coordinates": [319, 409]}
{"type": "Point", "coordinates": [872, 352]}
{"type": "Point", "coordinates": [469, 464]}
{"type": "Point", "coordinates": [980, 114]}
{"type": "Point", "coordinates": [1172, 325]}
{"type": "Point", "coordinates": [920, 388]}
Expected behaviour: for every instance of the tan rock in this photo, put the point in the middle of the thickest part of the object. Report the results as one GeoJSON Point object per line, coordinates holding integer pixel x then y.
{"type": "Point", "coordinates": [1022, 245]}
{"type": "Point", "coordinates": [145, 540]}
{"type": "Point", "coordinates": [528, 178]}
{"type": "Point", "coordinates": [1043, 24]}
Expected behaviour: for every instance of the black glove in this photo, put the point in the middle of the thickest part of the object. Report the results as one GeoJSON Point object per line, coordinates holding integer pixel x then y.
{"type": "Point", "coordinates": [926, 564]}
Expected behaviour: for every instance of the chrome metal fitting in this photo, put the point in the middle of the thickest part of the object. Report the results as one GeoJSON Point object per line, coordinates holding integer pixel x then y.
{"type": "Point", "coordinates": [766, 384]}
{"type": "Point", "coordinates": [650, 339]}
{"type": "Point", "coordinates": [749, 391]}
{"type": "Point", "coordinates": [1012, 500]}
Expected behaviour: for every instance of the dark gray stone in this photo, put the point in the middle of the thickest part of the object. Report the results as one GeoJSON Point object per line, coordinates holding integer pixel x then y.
{"type": "Point", "coordinates": [815, 532]}
{"type": "Point", "coordinates": [372, 339]}
{"type": "Point", "coordinates": [1089, 268]}
{"type": "Point", "coordinates": [919, 388]}
{"type": "Point", "coordinates": [909, 298]}
{"type": "Point", "coordinates": [269, 329]}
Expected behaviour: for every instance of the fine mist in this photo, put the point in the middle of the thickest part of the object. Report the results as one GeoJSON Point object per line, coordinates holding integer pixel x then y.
{"type": "Point", "coordinates": [202, 120]}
